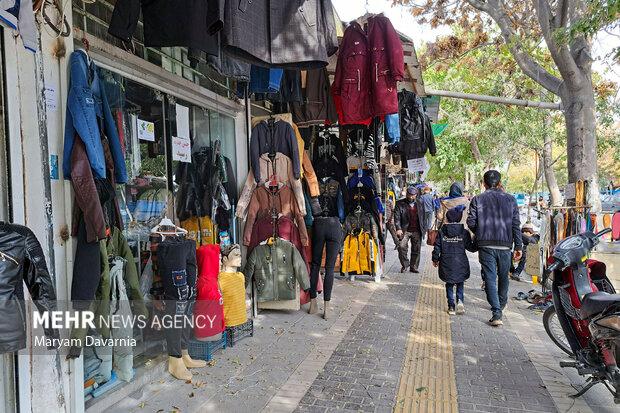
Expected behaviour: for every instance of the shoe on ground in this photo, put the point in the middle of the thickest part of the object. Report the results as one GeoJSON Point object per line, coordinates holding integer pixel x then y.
{"type": "Point", "coordinates": [451, 311]}
{"type": "Point", "coordinates": [460, 308]}
{"type": "Point", "coordinates": [402, 270]}
{"type": "Point", "coordinates": [496, 321]}
{"type": "Point", "coordinates": [314, 306]}
{"type": "Point", "coordinates": [413, 270]}
{"type": "Point", "coordinates": [515, 277]}
{"type": "Point", "coordinates": [327, 311]}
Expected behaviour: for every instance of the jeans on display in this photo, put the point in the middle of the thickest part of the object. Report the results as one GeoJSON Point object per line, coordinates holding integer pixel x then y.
{"type": "Point", "coordinates": [416, 244]}
{"type": "Point", "coordinates": [495, 265]}
{"type": "Point", "coordinates": [176, 259]}
{"type": "Point", "coordinates": [450, 293]}
{"type": "Point", "coordinates": [326, 232]}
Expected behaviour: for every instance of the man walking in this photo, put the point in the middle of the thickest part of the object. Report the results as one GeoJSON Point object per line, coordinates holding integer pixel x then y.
{"type": "Point", "coordinates": [494, 220]}
{"type": "Point", "coordinates": [408, 228]}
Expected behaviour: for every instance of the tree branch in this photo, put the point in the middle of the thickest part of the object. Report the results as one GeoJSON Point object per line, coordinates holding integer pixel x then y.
{"type": "Point", "coordinates": [561, 15]}
{"type": "Point", "coordinates": [527, 64]}
{"type": "Point", "coordinates": [561, 54]}
{"type": "Point", "coordinates": [459, 57]}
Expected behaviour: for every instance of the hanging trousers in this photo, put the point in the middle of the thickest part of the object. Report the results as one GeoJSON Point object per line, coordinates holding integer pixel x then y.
{"type": "Point", "coordinates": [176, 259]}
{"type": "Point", "coordinates": [326, 232]}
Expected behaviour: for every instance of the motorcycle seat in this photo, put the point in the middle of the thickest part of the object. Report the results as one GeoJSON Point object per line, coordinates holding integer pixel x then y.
{"type": "Point", "coordinates": [597, 302]}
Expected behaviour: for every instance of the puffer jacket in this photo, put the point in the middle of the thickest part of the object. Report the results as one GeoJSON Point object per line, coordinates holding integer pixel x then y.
{"type": "Point", "coordinates": [450, 246]}
{"type": "Point", "coordinates": [276, 269]}
{"type": "Point", "coordinates": [22, 260]}
{"type": "Point", "coordinates": [416, 133]}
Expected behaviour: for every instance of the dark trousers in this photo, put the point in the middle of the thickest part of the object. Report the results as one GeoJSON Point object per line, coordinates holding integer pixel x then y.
{"type": "Point", "coordinates": [450, 293]}
{"type": "Point", "coordinates": [495, 266]}
{"type": "Point", "coordinates": [416, 244]}
{"type": "Point", "coordinates": [176, 259]}
{"type": "Point", "coordinates": [326, 232]}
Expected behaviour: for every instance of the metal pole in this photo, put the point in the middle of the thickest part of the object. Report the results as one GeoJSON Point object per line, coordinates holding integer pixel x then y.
{"type": "Point", "coordinates": [495, 99]}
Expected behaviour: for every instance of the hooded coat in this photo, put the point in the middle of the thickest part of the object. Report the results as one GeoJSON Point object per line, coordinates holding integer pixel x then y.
{"type": "Point", "coordinates": [416, 132]}
{"type": "Point", "coordinates": [454, 199]}
{"type": "Point", "coordinates": [450, 246]}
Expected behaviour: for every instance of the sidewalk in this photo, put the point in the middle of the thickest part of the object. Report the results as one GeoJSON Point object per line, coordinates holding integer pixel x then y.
{"type": "Point", "coordinates": [389, 347]}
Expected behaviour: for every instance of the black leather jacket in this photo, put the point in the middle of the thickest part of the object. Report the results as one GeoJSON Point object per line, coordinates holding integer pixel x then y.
{"type": "Point", "coordinates": [416, 132]}
{"type": "Point", "coordinates": [21, 259]}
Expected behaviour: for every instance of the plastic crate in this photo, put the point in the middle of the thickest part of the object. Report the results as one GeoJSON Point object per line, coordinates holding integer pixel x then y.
{"type": "Point", "coordinates": [236, 333]}
{"type": "Point", "coordinates": [204, 350]}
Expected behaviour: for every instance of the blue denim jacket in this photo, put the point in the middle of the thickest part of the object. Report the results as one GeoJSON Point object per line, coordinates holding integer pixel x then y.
{"type": "Point", "coordinates": [87, 108]}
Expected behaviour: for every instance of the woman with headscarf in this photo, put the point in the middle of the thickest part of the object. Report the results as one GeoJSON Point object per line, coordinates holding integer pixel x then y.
{"type": "Point", "coordinates": [454, 199]}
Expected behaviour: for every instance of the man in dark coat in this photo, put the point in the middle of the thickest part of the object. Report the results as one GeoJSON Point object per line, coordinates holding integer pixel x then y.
{"type": "Point", "coordinates": [408, 228]}
{"type": "Point", "coordinates": [449, 255]}
{"type": "Point", "coordinates": [494, 220]}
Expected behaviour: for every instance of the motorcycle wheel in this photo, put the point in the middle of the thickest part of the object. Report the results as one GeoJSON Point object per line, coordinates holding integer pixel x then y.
{"type": "Point", "coordinates": [554, 330]}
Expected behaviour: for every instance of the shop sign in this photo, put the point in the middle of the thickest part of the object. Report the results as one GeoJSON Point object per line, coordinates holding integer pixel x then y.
{"type": "Point", "coordinates": [418, 165]}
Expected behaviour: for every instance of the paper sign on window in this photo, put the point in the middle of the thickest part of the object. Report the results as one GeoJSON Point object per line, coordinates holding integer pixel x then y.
{"type": "Point", "coordinates": [181, 149]}
{"type": "Point", "coordinates": [146, 130]}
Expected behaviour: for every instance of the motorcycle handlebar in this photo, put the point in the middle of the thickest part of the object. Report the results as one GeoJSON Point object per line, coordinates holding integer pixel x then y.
{"type": "Point", "coordinates": [603, 232]}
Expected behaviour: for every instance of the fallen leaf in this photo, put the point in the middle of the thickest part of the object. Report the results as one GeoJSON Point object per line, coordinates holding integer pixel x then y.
{"type": "Point", "coordinates": [421, 389]}
{"type": "Point", "coordinates": [141, 405]}
{"type": "Point", "coordinates": [212, 363]}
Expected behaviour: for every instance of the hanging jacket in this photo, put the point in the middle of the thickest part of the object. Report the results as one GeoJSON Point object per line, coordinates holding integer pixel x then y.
{"type": "Point", "coordinates": [359, 255]}
{"type": "Point", "coordinates": [262, 32]}
{"type": "Point", "coordinates": [88, 115]}
{"type": "Point", "coordinates": [387, 65]}
{"type": "Point", "coordinates": [183, 23]}
{"type": "Point", "coordinates": [317, 104]}
{"type": "Point", "coordinates": [276, 269]}
{"type": "Point", "coordinates": [115, 246]}
{"type": "Point", "coordinates": [18, 15]}
{"type": "Point", "coordinates": [452, 242]}
{"type": "Point", "coordinates": [208, 309]}
{"type": "Point", "coordinates": [352, 81]}
{"type": "Point", "coordinates": [285, 229]}
{"type": "Point", "coordinates": [328, 147]}
{"type": "Point", "coordinates": [283, 202]}
{"type": "Point", "coordinates": [331, 199]}
{"type": "Point", "coordinates": [22, 261]}
{"type": "Point", "coordinates": [265, 80]}
{"type": "Point", "coordinates": [416, 132]}
{"type": "Point", "coordinates": [271, 137]}
{"type": "Point", "coordinates": [283, 174]}
{"type": "Point", "coordinates": [355, 223]}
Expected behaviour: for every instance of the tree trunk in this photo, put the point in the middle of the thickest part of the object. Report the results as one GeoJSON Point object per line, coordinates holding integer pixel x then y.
{"type": "Point", "coordinates": [547, 161]}
{"type": "Point", "coordinates": [581, 143]}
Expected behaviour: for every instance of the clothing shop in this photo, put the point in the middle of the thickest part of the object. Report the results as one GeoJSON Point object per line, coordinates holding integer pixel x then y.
{"type": "Point", "coordinates": [202, 174]}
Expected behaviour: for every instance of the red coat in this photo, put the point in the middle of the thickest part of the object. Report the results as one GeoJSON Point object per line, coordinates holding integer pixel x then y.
{"type": "Point", "coordinates": [368, 67]}
{"type": "Point", "coordinates": [209, 308]}
{"type": "Point", "coordinates": [387, 64]}
{"type": "Point", "coordinates": [352, 79]}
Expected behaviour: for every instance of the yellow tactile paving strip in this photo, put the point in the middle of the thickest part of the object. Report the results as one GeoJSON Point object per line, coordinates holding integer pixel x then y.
{"type": "Point", "coordinates": [427, 381]}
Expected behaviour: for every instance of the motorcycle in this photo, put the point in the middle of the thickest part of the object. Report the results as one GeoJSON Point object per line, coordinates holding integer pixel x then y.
{"type": "Point", "coordinates": [587, 310]}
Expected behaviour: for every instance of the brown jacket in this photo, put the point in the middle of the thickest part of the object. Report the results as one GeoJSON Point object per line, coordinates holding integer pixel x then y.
{"type": "Point", "coordinates": [284, 174]}
{"type": "Point", "coordinates": [449, 203]}
{"type": "Point", "coordinates": [284, 203]}
{"type": "Point", "coordinates": [87, 201]}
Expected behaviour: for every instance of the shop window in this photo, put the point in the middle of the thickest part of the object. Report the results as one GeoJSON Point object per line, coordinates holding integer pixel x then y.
{"type": "Point", "coordinates": [149, 123]}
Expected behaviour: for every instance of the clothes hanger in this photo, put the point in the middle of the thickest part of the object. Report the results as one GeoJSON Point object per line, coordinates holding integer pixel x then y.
{"type": "Point", "coordinates": [167, 222]}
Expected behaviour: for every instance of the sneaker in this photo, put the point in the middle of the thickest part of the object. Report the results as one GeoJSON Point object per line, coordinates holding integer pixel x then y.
{"type": "Point", "coordinates": [402, 270]}
{"type": "Point", "coordinates": [515, 277]}
{"type": "Point", "coordinates": [413, 270]}
{"type": "Point", "coordinates": [460, 308]}
{"type": "Point", "coordinates": [496, 321]}
{"type": "Point", "coordinates": [451, 311]}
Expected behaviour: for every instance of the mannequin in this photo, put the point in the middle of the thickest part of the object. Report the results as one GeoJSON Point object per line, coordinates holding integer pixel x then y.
{"type": "Point", "coordinates": [232, 284]}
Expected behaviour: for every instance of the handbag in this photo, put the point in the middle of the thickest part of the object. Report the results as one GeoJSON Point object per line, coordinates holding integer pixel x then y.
{"type": "Point", "coordinates": [431, 234]}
